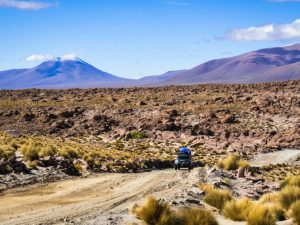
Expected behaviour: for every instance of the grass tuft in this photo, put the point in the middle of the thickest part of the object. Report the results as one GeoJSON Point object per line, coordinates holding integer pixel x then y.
{"type": "Point", "coordinates": [260, 214]}
{"type": "Point", "coordinates": [269, 198]}
{"type": "Point", "coordinates": [7, 151]}
{"type": "Point", "coordinates": [138, 135]}
{"type": "Point", "coordinates": [295, 212]}
{"type": "Point", "coordinates": [155, 212]}
{"type": "Point", "coordinates": [232, 162]}
{"type": "Point", "coordinates": [217, 197]}
{"type": "Point", "coordinates": [290, 181]}
{"type": "Point", "coordinates": [196, 216]}
{"type": "Point", "coordinates": [288, 196]}
{"type": "Point", "coordinates": [31, 150]}
{"type": "Point", "coordinates": [237, 210]}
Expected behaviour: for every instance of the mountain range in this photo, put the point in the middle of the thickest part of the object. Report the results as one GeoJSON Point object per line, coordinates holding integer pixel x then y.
{"type": "Point", "coordinates": [265, 65]}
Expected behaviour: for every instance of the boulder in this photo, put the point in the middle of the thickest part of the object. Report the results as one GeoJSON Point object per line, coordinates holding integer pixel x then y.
{"type": "Point", "coordinates": [228, 119]}
{"type": "Point", "coordinates": [28, 117]}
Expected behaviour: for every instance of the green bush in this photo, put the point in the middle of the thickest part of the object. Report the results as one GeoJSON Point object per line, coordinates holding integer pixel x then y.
{"type": "Point", "coordinates": [138, 135]}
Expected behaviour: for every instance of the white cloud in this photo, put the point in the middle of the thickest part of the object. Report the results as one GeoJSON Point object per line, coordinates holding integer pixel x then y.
{"type": "Point", "coordinates": [70, 56]}
{"type": "Point", "coordinates": [41, 57]}
{"type": "Point", "coordinates": [24, 5]}
{"type": "Point", "coordinates": [268, 32]}
{"type": "Point", "coordinates": [37, 57]}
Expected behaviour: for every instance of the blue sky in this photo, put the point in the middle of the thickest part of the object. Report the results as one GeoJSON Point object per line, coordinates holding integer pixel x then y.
{"type": "Point", "coordinates": [134, 38]}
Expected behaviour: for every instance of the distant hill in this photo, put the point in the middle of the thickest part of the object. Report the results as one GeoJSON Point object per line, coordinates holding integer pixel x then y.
{"type": "Point", "coordinates": [59, 74]}
{"type": "Point", "coordinates": [266, 65]}
{"type": "Point", "coordinates": [148, 80]}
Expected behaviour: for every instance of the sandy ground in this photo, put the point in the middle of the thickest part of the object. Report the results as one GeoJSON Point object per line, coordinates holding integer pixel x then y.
{"type": "Point", "coordinates": [96, 200]}
{"type": "Point", "coordinates": [105, 198]}
{"type": "Point", "coordinates": [288, 156]}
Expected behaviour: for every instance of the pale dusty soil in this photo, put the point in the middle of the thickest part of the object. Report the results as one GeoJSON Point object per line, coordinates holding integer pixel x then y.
{"type": "Point", "coordinates": [103, 199]}
{"type": "Point", "coordinates": [289, 156]}
{"type": "Point", "coordinates": [91, 198]}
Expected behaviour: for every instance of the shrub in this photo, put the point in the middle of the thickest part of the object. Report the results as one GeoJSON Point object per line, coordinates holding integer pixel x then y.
{"type": "Point", "coordinates": [277, 211]}
{"type": "Point", "coordinates": [78, 167]}
{"type": "Point", "coordinates": [244, 164]}
{"type": "Point", "coordinates": [295, 212]}
{"type": "Point", "coordinates": [196, 216]}
{"type": "Point", "coordinates": [217, 197]}
{"type": "Point", "coordinates": [6, 151]}
{"type": "Point", "coordinates": [33, 164]}
{"type": "Point", "coordinates": [288, 196]}
{"type": "Point", "coordinates": [138, 135]}
{"type": "Point", "coordinates": [155, 212]}
{"type": "Point", "coordinates": [232, 162]}
{"type": "Point", "coordinates": [69, 154]}
{"type": "Point", "coordinates": [260, 214]}
{"type": "Point", "coordinates": [205, 187]}
{"type": "Point", "coordinates": [237, 210]}
{"type": "Point", "coordinates": [30, 150]}
{"type": "Point", "coordinates": [6, 169]}
{"type": "Point", "coordinates": [290, 181]}
{"type": "Point", "coordinates": [269, 198]}
{"type": "Point", "coordinates": [48, 150]}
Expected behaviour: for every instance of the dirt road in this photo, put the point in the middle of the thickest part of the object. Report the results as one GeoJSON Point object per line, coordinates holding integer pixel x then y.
{"type": "Point", "coordinates": [95, 200]}
{"type": "Point", "coordinates": [105, 198]}
{"type": "Point", "coordinates": [288, 156]}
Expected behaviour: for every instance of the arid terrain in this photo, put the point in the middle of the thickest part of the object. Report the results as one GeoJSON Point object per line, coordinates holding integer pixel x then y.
{"type": "Point", "coordinates": [86, 156]}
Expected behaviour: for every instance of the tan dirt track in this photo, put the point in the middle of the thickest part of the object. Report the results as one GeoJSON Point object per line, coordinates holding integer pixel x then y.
{"type": "Point", "coordinates": [99, 199]}
{"type": "Point", "coordinates": [79, 198]}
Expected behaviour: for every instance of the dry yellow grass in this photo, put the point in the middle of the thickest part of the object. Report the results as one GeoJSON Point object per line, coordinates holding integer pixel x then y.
{"type": "Point", "coordinates": [295, 212]}
{"type": "Point", "coordinates": [260, 214]}
{"type": "Point", "coordinates": [217, 197]}
{"type": "Point", "coordinates": [270, 198]}
{"type": "Point", "coordinates": [196, 216]}
{"type": "Point", "coordinates": [7, 151]}
{"type": "Point", "coordinates": [154, 212]}
{"type": "Point", "coordinates": [31, 150]}
{"type": "Point", "coordinates": [288, 196]}
{"type": "Point", "coordinates": [232, 162]}
{"type": "Point", "coordinates": [37, 147]}
{"type": "Point", "coordinates": [290, 181]}
{"type": "Point", "coordinates": [237, 210]}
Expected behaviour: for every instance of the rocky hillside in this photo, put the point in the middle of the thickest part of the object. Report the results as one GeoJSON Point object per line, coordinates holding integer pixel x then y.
{"type": "Point", "coordinates": [233, 117]}
{"type": "Point", "coordinates": [47, 135]}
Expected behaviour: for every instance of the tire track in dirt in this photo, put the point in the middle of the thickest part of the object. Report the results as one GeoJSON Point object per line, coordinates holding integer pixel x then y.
{"type": "Point", "coordinates": [81, 198]}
